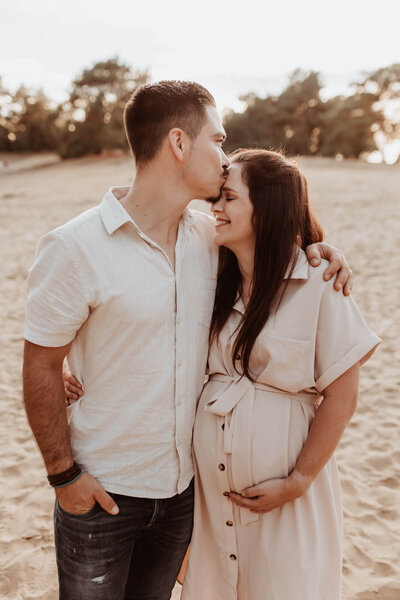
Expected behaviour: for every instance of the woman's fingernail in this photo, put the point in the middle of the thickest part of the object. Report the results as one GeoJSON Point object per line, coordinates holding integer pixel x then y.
{"type": "Point", "coordinates": [315, 261]}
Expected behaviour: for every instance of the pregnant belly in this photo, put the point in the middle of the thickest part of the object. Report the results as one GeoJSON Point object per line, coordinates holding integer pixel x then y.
{"type": "Point", "coordinates": [275, 434]}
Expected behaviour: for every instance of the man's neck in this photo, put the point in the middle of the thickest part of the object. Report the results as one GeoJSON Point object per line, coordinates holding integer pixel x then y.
{"type": "Point", "coordinates": [156, 205]}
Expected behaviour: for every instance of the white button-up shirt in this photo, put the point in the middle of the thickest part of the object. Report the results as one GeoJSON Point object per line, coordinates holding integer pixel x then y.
{"type": "Point", "coordinates": [139, 333]}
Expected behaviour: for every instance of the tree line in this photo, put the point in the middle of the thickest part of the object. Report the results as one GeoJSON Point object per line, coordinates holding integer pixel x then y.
{"type": "Point", "coordinates": [298, 119]}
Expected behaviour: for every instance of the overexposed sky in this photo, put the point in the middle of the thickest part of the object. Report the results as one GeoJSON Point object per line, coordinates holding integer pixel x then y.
{"type": "Point", "coordinates": [231, 47]}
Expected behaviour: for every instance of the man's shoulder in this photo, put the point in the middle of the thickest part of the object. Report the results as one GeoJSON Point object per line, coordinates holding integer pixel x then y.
{"type": "Point", "coordinates": [87, 221]}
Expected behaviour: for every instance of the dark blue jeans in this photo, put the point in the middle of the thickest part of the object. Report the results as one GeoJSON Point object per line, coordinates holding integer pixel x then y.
{"type": "Point", "coordinates": [135, 555]}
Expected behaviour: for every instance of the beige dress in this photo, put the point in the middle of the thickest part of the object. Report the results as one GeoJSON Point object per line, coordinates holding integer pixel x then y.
{"type": "Point", "coordinates": [247, 433]}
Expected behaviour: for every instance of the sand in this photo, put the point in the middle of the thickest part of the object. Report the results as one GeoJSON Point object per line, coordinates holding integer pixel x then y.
{"type": "Point", "coordinates": [359, 207]}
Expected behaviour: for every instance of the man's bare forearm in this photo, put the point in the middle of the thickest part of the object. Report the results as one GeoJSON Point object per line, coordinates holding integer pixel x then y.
{"type": "Point", "coordinates": [45, 405]}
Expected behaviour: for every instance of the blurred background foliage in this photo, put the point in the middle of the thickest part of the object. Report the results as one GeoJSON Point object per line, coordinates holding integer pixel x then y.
{"type": "Point", "coordinates": [298, 120]}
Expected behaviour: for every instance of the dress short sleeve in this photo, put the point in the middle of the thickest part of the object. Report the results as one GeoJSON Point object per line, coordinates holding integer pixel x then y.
{"type": "Point", "coordinates": [343, 337]}
{"type": "Point", "coordinates": [57, 302]}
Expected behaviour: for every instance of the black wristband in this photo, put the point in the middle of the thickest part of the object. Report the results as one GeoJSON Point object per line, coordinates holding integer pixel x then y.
{"type": "Point", "coordinates": [66, 477]}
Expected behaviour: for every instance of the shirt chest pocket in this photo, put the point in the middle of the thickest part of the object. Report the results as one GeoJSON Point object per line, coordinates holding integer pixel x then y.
{"type": "Point", "coordinates": [289, 363]}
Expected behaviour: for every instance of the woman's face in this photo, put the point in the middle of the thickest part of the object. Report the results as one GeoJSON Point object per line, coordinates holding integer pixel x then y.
{"type": "Point", "coordinates": [234, 212]}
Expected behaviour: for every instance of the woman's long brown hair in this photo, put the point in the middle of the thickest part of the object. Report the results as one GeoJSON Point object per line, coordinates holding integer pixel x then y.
{"type": "Point", "coordinates": [282, 218]}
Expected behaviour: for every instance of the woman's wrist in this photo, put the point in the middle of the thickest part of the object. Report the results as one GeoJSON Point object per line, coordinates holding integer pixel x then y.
{"type": "Point", "coordinates": [298, 483]}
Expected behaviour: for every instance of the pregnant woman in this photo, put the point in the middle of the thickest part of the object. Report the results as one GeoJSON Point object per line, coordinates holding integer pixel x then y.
{"type": "Point", "coordinates": [285, 352]}
{"type": "Point", "coordinates": [283, 378]}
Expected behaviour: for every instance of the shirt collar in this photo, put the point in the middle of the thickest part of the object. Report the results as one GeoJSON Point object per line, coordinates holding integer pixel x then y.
{"type": "Point", "coordinates": [300, 271]}
{"type": "Point", "coordinates": [114, 215]}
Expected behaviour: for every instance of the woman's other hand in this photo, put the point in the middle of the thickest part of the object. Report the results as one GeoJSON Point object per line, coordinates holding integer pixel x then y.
{"type": "Point", "coordinates": [72, 388]}
{"type": "Point", "coordinates": [270, 494]}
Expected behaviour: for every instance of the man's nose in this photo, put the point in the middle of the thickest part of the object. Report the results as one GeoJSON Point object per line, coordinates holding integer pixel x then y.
{"type": "Point", "coordinates": [225, 160]}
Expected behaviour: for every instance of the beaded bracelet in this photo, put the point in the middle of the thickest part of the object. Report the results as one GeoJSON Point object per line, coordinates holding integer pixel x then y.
{"type": "Point", "coordinates": [66, 477]}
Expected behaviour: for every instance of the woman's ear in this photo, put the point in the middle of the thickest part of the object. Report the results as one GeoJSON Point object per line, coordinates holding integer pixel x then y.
{"type": "Point", "coordinates": [177, 141]}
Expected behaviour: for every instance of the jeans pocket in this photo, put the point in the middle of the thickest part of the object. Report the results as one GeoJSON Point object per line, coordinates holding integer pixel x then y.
{"type": "Point", "coordinates": [87, 515]}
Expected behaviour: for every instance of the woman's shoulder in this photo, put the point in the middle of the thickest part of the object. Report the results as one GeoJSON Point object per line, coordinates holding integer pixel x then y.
{"type": "Point", "coordinates": [316, 276]}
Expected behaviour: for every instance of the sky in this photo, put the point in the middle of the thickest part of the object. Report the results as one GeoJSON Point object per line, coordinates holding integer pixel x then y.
{"type": "Point", "coordinates": [231, 47]}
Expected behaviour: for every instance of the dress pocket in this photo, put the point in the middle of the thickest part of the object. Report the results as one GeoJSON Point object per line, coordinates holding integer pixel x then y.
{"type": "Point", "coordinates": [289, 363]}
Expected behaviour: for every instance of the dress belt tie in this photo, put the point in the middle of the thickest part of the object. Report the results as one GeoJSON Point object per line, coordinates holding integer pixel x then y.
{"type": "Point", "coordinates": [239, 394]}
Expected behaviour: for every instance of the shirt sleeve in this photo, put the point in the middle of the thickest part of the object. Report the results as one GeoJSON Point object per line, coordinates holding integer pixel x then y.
{"type": "Point", "coordinates": [343, 337]}
{"type": "Point", "coordinates": [57, 302]}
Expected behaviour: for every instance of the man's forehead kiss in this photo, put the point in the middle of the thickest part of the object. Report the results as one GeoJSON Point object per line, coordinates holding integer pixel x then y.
{"type": "Point", "coordinates": [229, 190]}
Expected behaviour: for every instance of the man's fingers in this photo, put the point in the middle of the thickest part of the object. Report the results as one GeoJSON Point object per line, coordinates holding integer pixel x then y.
{"type": "Point", "coordinates": [341, 278]}
{"type": "Point", "coordinates": [313, 254]}
{"type": "Point", "coordinates": [332, 268]}
{"type": "Point", "coordinates": [106, 502]}
{"type": "Point", "coordinates": [348, 286]}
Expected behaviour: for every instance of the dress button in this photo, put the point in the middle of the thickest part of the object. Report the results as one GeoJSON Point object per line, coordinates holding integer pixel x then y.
{"type": "Point", "coordinates": [229, 523]}
{"type": "Point", "coordinates": [221, 467]}
{"type": "Point", "coordinates": [233, 557]}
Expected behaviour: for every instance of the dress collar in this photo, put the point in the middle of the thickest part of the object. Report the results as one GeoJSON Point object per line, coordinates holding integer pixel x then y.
{"type": "Point", "coordinates": [300, 271]}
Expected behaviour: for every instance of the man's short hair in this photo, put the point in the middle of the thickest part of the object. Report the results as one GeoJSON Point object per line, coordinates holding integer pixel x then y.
{"type": "Point", "coordinates": [156, 108]}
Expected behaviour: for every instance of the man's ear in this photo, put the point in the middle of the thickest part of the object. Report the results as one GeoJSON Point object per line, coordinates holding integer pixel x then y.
{"type": "Point", "coordinates": [178, 142]}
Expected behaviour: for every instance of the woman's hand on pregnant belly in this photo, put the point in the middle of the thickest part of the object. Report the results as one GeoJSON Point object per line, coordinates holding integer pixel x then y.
{"type": "Point", "coordinates": [270, 494]}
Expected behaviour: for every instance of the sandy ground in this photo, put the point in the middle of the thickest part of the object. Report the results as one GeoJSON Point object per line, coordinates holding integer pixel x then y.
{"type": "Point", "coordinates": [359, 206]}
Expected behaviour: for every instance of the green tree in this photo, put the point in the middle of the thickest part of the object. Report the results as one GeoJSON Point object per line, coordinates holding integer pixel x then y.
{"type": "Point", "coordinates": [290, 120]}
{"type": "Point", "coordinates": [301, 123]}
{"type": "Point", "coordinates": [384, 83]}
{"type": "Point", "coordinates": [348, 125]}
{"type": "Point", "coordinates": [299, 113]}
{"type": "Point", "coordinates": [27, 121]}
{"type": "Point", "coordinates": [92, 119]}
{"type": "Point", "coordinates": [5, 101]}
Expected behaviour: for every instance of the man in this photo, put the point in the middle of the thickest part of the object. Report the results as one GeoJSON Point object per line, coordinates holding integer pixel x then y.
{"type": "Point", "coordinates": [126, 290]}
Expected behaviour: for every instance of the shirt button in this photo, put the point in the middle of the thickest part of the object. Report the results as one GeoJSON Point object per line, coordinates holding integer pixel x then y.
{"type": "Point", "coordinates": [221, 467]}
{"type": "Point", "coordinates": [179, 402]}
{"type": "Point", "coordinates": [179, 320]}
{"type": "Point", "coordinates": [229, 523]}
{"type": "Point", "coordinates": [233, 557]}
{"type": "Point", "coordinates": [179, 363]}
